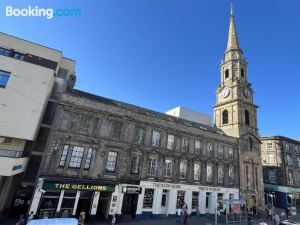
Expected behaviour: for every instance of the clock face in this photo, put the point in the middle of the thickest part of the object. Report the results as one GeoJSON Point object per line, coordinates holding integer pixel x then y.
{"type": "Point", "coordinates": [246, 92]}
{"type": "Point", "coordinates": [225, 92]}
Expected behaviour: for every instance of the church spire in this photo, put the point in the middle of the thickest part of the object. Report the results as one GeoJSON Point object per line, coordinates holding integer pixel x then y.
{"type": "Point", "coordinates": [232, 43]}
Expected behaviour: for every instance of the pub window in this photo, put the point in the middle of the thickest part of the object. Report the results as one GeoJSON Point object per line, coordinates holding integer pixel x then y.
{"type": "Point", "coordinates": [220, 174]}
{"type": "Point", "coordinates": [247, 118]}
{"type": "Point", "coordinates": [116, 129]}
{"type": "Point", "coordinates": [185, 144]}
{"type": "Point", "coordinates": [88, 158]}
{"type": "Point", "coordinates": [183, 169]}
{"type": "Point", "coordinates": [197, 171]}
{"type": "Point", "coordinates": [76, 157]}
{"type": "Point", "coordinates": [155, 138]}
{"type": "Point", "coordinates": [180, 198]}
{"type": "Point", "coordinates": [170, 142]}
{"type": "Point", "coordinates": [209, 173]}
{"type": "Point", "coordinates": [168, 167]}
{"type": "Point", "coordinates": [111, 161]}
{"type": "Point", "coordinates": [152, 166]}
{"type": "Point", "coordinates": [148, 198]}
{"type": "Point", "coordinates": [197, 146]}
{"type": "Point", "coordinates": [140, 135]}
{"type": "Point", "coordinates": [135, 164]}
{"type": "Point", "coordinates": [64, 156]}
{"type": "Point", "coordinates": [195, 200]}
{"type": "Point", "coordinates": [226, 73]}
{"type": "Point", "coordinates": [225, 117]}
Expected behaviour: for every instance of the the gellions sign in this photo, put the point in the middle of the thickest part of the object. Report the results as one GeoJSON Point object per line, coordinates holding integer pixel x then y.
{"type": "Point", "coordinates": [48, 185]}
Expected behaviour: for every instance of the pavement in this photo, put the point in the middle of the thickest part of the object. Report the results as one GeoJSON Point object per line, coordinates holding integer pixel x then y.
{"type": "Point", "coordinates": [192, 220]}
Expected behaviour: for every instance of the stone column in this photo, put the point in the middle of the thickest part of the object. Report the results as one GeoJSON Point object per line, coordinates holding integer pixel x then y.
{"type": "Point", "coordinates": [202, 202]}
{"type": "Point", "coordinates": [76, 203]}
{"type": "Point", "coordinates": [61, 196]}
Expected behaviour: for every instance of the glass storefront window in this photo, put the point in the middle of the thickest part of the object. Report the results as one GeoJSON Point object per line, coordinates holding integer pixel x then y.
{"type": "Point", "coordinates": [195, 200]}
{"type": "Point", "coordinates": [180, 198]}
{"type": "Point", "coordinates": [148, 198]}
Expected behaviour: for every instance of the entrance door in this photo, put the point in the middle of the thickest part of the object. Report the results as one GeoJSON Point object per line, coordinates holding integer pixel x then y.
{"type": "Point", "coordinates": [84, 203]}
{"type": "Point", "coordinates": [129, 205]}
{"type": "Point", "coordinates": [165, 202]}
{"type": "Point", "coordinates": [208, 202]}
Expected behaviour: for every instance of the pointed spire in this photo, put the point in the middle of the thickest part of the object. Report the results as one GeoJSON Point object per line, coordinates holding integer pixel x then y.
{"type": "Point", "coordinates": [232, 35]}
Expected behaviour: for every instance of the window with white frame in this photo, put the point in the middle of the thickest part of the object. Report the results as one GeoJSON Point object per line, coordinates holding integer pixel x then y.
{"type": "Point", "coordinates": [269, 145]}
{"type": "Point", "coordinates": [185, 144]}
{"type": "Point", "coordinates": [183, 169]}
{"type": "Point", "coordinates": [221, 152]}
{"type": "Point", "coordinates": [140, 135]}
{"type": "Point", "coordinates": [155, 138]}
{"type": "Point", "coordinates": [209, 173]}
{"type": "Point", "coordinates": [197, 146]}
{"type": "Point", "coordinates": [171, 142]}
{"type": "Point", "coordinates": [209, 149]}
{"type": "Point", "coordinates": [230, 153]}
{"type": "Point", "coordinates": [88, 158]}
{"type": "Point", "coordinates": [272, 176]}
{"type": "Point", "coordinates": [64, 155]}
{"type": "Point", "coordinates": [289, 160]}
{"type": "Point", "coordinates": [197, 171]}
{"type": "Point", "coordinates": [111, 161]}
{"type": "Point", "coordinates": [76, 157]}
{"type": "Point", "coordinates": [168, 167]}
{"type": "Point", "coordinates": [220, 174]}
{"type": "Point", "coordinates": [152, 166]}
{"type": "Point", "coordinates": [270, 158]}
{"type": "Point", "coordinates": [231, 174]}
{"type": "Point", "coordinates": [135, 164]}
{"type": "Point", "coordinates": [291, 178]}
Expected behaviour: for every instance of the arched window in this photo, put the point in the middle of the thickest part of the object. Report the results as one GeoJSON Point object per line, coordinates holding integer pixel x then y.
{"type": "Point", "coordinates": [242, 72]}
{"type": "Point", "coordinates": [226, 73]}
{"type": "Point", "coordinates": [247, 118]}
{"type": "Point", "coordinates": [250, 144]}
{"type": "Point", "coordinates": [225, 117]}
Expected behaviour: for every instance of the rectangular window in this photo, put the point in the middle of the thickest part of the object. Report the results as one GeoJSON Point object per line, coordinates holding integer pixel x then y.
{"type": "Point", "coordinates": [152, 166]}
{"type": "Point", "coordinates": [4, 77]}
{"type": "Point", "coordinates": [231, 174]}
{"type": "Point", "coordinates": [135, 164]}
{"type": "Point", "coordinates": [287, 147]}
{"type": "Point", "coordinates": [197, 171]}
{"type": "Point", "coordinates": [4, 52]}
{"type": "Point", "coordinates": [19, 56]}
{"type": "Point", "coordinates": [221, 152]}
{"type": "Point", "coordinates": [247, 177]}
{"type": "Point", "coordinates": [183, 169]}
{"type": "Point", "coordinates": [117, 129]}
{"type": "Point", "coordinates": [171, 142]}
{"type": "Point", "coordinates": [140, 135]}
{"type": "Point", "coordinates": [197, 146]}
{"type": "Point", "coordinates": [155, 139]}
{"type": "Point", "coordinates": [168, 168]}
{"type": "Point", "coordinates": [209, 149]}
{"type": "Point", "coordinates": [289, 160]}
{"type": "Point", "coordinates": [291, 178]}
{"type": "Point", "coordinates": [85, 124]}
{"type": "Point", "coordinates": [209, 173]}
{"type": "Point", "coordinates": [220, 175]}
{"type": "Point", "coordinates": [230, 154]}
{"type": "Point", "coordinates": [269, 145]}
{"type": "Point", "coordinates": [272, 176]}
{"type": "Point", "coordinates": [195, 200]}
{"type": "Point", "coordinates": [298, 161]}
{"type": "Point", "coordinates": [270, 158]}
{"type": "Point", "coordinates": [111, 161]}
{"type": "Point", "coordinates": [185, 144]}
{"type": "Point", "coordinates": [88, 158]}
{"type": "Point", "coordinates": [76, 157]}
{"type": "Point", "coordinates": [64, 156]}
{"type": "Point", "coordinates": [148, 198]}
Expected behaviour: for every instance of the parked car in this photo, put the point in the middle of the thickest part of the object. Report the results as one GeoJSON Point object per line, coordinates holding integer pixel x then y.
{"type": "Point", "coordinates": [55, 221]}
{"type": "Point", "coordinates": [289, 222]}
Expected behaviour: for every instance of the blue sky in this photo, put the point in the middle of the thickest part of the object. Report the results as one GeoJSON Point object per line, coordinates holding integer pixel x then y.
{"type": "Point", "coordinates": [163, 53]}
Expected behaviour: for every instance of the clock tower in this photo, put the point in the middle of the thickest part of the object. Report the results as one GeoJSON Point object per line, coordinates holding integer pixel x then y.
{"type": "Point", "coordinates": [236, 114]}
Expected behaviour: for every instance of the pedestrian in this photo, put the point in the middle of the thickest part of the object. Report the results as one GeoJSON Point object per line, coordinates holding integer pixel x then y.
{"type": "Point", "coordinates": [287, 211]}
{"type": "Point", "coordinates": [184, 213]}
{"type": "Point", "coordinates": [276, 219]}
{"type": "Point", "coordinates": [270, 214]}
{"type": "Point", "coordinates": [30, 217]}
{"type": "Point", "coordinates": [45, 215]}
{"type": "Point", "coordinates": [21, 220]}
{"type": "Point", "coordinates": [65, 214]}
{"type": "Point", "coordinates": [114, 219]}
{"type": "Point", "coordinates": [82, 217]}
{"type": "Point", "coordinates": [178, 214]}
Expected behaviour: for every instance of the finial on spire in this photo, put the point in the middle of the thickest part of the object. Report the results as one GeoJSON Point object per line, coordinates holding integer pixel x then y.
{"type": "Point", "coordinates": [231, 8]}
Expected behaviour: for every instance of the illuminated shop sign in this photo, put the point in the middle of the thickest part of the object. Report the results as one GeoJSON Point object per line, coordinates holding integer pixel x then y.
{"type": "Point", "coordinates": [131, 190]}
{"type": "Point", "coordinates": [48, 185]}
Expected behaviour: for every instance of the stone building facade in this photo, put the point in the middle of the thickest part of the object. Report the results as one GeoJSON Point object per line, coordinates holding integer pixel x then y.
{"type": "Point", "coordinates": [281, 169]}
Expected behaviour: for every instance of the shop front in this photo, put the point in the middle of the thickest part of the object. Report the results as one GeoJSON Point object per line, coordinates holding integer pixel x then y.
{"type": "Point", "coordinates": [53, 198]}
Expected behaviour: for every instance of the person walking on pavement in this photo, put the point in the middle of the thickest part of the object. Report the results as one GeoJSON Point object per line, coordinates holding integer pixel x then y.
{"type": "Point", "coordinates": [276, 219]}
{"type": "Point", "coordinates": [178, 214]}
{"type": "Point", "coordinates": [270, 213]}
{"type": "Point", "coordinates": [184, 213]}
{"type": "Point", "coordinates": [82, 217]}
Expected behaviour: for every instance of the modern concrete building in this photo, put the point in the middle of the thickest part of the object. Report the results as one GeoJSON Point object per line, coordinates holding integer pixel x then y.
{"type": "Point", "coordinates": [281, 169]}
{"type": "Point", "coordinates": [32, 78]}
{"type": "Point", "coordinates": [110, 157]}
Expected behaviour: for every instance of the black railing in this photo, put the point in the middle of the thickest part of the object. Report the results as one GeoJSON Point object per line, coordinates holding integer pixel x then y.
{"type": "Point", "coordinates": [10, 153]}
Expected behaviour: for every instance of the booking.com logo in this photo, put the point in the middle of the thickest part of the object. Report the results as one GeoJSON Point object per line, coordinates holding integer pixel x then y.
{"type": "Point", "coordinates": [48, 13]}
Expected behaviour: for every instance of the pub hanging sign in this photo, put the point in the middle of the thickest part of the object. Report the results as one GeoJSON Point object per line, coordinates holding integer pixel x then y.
{"type": "Point", "coordinates": [49, 185]}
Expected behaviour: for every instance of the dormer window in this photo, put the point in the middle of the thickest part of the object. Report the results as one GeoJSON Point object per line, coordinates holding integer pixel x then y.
{"type": "Point", "coordinates": [226, 73]}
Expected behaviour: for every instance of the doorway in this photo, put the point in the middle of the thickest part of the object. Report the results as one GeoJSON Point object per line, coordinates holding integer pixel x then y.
{"type": "Point", "coordinates": [84, 203]}
{"type": "Point", "coordinates": [164, 202]}
{"type": "Point", "coordinates": [129, 205]}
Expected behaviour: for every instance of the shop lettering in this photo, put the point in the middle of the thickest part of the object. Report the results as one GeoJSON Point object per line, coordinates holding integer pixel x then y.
{"type": "Point", "coordinates": [209, 189]}
{"type": "Point", "coordinates": [166, 185]}
{"type": "Point", "coordinates": [76, 187]}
